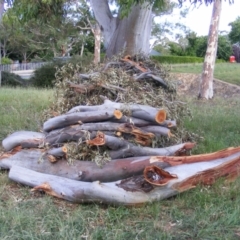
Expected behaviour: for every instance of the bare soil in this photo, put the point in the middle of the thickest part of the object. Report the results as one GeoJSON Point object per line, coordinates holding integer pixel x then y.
{"type": "Point", "coordinates": [188, 85]}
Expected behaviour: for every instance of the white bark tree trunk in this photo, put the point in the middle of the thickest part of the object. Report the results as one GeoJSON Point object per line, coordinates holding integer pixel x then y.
{"type": "Point", "coordinates": [206, 83]}
{"type": "Point", "coordinates": [1, 13]}
{"type": "Point", "coordinates": [97, 45]}
{"type": "Point", "coordinates": [130, 34]}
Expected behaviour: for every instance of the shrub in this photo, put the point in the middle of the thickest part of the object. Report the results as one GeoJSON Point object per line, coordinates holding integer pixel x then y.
{"type": "Point", "coordinates": [45, 76]}
{"type": "Point", "coordinates": [180, 59]}
{"type": "Point", "coordinates": [5, 60]}
{"type": "Point", "coordinates": [11, 79]}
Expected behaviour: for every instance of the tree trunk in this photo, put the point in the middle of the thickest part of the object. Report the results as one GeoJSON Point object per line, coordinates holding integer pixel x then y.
{"type": "Point", "coordinates": [97, 45]}
{"type": "Point", "coordinates": [82, 49]}
{"type": "Point", "coordinates": [130, 34]}
{"type": "Point", "coordinates": [206, 83]}
{"type": "Point", "coordinates": [1, 13]}
{"type": "Point", "coordinates": [155, 184]}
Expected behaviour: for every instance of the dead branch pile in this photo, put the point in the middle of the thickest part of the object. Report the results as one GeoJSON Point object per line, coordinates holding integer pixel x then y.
{"type": "Point", "coordinates": [119, 124]}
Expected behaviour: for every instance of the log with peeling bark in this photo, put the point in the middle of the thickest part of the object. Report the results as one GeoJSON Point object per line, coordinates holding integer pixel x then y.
{"type": "Point", "coordinates": [155, 184]}
{"type": "Point", "coordinates": [38, 160]}
{"type": "Point", "coordinates": [142, 135]}
{"type": "Point", "coordinates": [121, 149]}
{"type": "Point", "coordinates": [144, 112]}
{"type": "Point", "coordinates": [124, 148]}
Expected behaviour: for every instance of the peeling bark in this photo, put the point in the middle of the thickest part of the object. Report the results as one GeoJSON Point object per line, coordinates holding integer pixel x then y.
{"type": "Point", "coordinates": [131, 191]}
{"type": "Point", "coordinates": [87, 171]}
{"type": "Point", "coordinates": [206, 83]}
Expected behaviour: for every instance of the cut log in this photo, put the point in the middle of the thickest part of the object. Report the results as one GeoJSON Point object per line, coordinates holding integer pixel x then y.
{"type": "Point", "coordinates": [158, 131]}
{"type": "Point", "coordinates": [80, 117]}
{"type": "Point", "coordinates": [142, 123]}
{"type": "Point", "coordinates": [57, 152]}
{"type": "Point", "coordinates": [127, 149]}
{"type": "Point", "coordinates": [75, 132]}
{"type": "Point", "coordinates": [37, 160]}
{"type": "Point", "coordinates": [178, 179]}
{"type": "Point", "coordinates": [134, 151]}
{"type": "Point", "coordinates": [26, 139]}
{"type": "Point", "coordinates": [144, 112]}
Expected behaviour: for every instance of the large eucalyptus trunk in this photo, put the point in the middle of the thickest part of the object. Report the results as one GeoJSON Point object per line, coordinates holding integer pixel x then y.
{"type": "Point", "coordinates": [206, 83]}
{"type": "Point", "coordinates": [130, 34]}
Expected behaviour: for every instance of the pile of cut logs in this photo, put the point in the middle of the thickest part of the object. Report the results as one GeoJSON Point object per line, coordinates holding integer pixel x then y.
{"type": "Point", "coordinates": [107, 153]}
{"type": "Point", "coordinates": [135, 172]}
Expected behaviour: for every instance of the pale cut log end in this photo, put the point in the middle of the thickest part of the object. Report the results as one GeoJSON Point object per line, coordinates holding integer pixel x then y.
{"type": "Point", "coordinates": [52, 159]}
{"type": "Point", "coordinates": [118, 114]}
{"type": "Point", "coordinates": [118, 134]}
{"type": "Point", "coordinates": [161, 116]}
{"type": "Point", "coordinates": [64, 149]}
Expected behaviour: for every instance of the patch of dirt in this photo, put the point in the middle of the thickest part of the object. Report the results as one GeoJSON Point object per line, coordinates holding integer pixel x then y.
{"type": "Point", "coordinates": [188, 85]}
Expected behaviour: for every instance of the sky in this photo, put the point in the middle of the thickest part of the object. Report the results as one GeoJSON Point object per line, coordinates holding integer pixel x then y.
{"type": "Point", "coordinates": [199, 18]}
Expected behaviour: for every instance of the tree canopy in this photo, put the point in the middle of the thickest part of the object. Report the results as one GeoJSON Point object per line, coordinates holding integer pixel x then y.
{"type": "Point", "coordinates": [234, 33]}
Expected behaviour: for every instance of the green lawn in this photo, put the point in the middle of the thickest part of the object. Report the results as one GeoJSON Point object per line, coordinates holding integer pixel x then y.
{"type": "Point", "coordinates": [201, 213]}
{"type": "Point", "coordinates": [228, 72]}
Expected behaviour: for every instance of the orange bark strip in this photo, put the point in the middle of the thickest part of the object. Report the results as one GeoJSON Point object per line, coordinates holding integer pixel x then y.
{"type": "Point", "coordinates": [47, 189]}
{"type": "Point", "coordinates": [99, 140]}
{"type": "Point", "coordinates": [136, 65]}
{"type": "Point", "coordinates": [157, 176]}
{"type": "Point", "coordinates": [143, 138]}
{"type": "Point", "coordinates": [229, 171]}
{"type": "Point", "coordinates": [177, 160]}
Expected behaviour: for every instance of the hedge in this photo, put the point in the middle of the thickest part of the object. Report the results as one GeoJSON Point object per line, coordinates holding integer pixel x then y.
{"type": "Point", "coordinates": [180, 59]}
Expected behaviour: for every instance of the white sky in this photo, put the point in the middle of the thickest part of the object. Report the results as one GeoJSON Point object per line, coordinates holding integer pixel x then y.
{"type": "Point", "coordinates": [198, 19]}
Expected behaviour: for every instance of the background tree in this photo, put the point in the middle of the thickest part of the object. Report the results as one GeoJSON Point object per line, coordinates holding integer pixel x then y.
{"type": "Point", "coordinates": [197, 46]}
{"type": "Point", "coordinates": [234, 34]}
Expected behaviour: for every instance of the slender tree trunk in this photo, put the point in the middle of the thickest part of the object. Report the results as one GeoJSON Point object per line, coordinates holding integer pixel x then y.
{"type": "Point", "coordinates": [97, 45]}
{"type": "Point", "coordinates": [82, 49]}
{"type": "Point", "coordinates": [206, 83]}
{"type": "Point", "coordinates": [1, 13]}
{"type": "Point", "coordinates": [129, 35]}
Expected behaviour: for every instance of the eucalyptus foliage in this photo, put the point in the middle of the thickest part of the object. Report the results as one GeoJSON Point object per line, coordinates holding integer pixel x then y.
{"type": "Point", "coordinates": [234, 34]}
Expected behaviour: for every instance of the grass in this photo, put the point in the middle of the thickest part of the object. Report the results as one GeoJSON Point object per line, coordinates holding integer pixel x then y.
{"type": "Point", "coordinates": [228, 72]}
{"type": "Point", "coordinates": [201, 213]}
{"type": "Point", "coordinates": [21, 109]}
